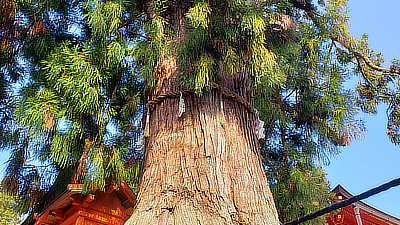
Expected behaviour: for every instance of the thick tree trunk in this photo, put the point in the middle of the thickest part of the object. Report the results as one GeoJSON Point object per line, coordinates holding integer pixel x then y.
{"type": "Point", "coordinates": [199, 169]}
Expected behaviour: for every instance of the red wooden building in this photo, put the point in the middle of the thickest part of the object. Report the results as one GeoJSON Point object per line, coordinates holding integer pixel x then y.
{"type": "Point", "coordinates": [359, 213]}
{"type": "Point", "coordinates": [112, 207]}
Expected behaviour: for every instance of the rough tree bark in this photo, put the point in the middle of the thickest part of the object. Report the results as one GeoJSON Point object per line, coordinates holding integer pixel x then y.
{"type": "Point", "coordinates": [199, 169]}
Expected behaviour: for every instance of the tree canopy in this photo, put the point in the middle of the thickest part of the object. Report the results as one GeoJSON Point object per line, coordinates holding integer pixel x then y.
{"type": "Point", "coordinates": [76, 75]}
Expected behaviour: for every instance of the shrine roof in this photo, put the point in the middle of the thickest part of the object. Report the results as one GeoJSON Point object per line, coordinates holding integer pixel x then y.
{"type": "Point", "coordinates": [365, 208]}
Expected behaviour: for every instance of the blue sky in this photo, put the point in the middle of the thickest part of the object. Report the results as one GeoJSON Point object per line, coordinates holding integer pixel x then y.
{"type": "Point", "coordinates": [374, 160]}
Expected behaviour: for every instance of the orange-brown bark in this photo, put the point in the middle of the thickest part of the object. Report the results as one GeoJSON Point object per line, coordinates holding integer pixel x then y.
{"type": "Point", "coordinates": [199, 169]}
{"type": "Point", "coordinates": [203, 167]}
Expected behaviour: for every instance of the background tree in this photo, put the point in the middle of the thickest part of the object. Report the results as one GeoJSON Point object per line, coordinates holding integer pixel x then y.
{"type": "Point", "coordinates": [9, 70]}
{"type": "Point", "coordinates": [57, 127]}
{"type": "Point", "coordinates": [93, 68]}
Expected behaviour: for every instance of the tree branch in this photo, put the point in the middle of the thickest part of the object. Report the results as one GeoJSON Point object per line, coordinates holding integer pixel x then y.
{"type": "Point", "coordinates": [365, 76]}
{"type": "Point", "coordinates": [366, 59]}
{"type": "Point", "coordinates": [310, 10]}
{"type": "Point", "coordinates": [337, 139]}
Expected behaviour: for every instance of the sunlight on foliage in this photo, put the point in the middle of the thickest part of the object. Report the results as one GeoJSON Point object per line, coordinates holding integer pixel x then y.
{"type": "Point", "coordinates": [8, 213]}
{"type": "Point", "coordinates": [199, 14]}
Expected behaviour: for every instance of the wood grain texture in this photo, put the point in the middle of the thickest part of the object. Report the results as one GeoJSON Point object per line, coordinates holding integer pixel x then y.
{"type": "Point", "coordinates": [197, 168]}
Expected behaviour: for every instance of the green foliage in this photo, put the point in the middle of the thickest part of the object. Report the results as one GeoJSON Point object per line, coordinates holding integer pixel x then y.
{"type": "Point", "coordinates": [264, 66]}
{"type": "Point", "coordinates": [204, 72]}
{"type": "Point", "coordinates": [8, 213]}
{"type": "Point", "coordinates": [231, 60]}
{"type": "Point", "coordinates": [253, 24]}
{"type": "Point", "coordinates": [159, 6]}
{"type": "Point", "coordinates": [336, 18]}
{"type": "Point", "coordinates": [90, 65]}
{"type": "Point", "coordinates": [77, 109]}
{"type": "Point", "coordinates": [320, 115]}
{"type": "Point", "coordinates": [104, 18]}
{"type": "Point", "coordinates": [148, 54]}
{"type": "Point", "coordinates": [199, 15]}
{"type": "Point", "coordinates": [300, 191]}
